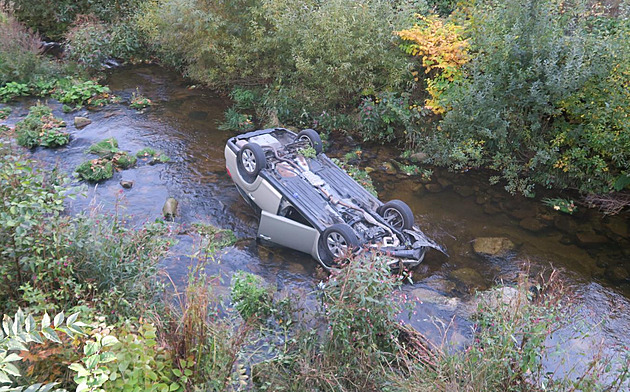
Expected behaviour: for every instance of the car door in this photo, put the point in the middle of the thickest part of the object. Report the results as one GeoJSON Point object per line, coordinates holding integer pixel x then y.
{"type": "Point", "coordinates": [287, 232]}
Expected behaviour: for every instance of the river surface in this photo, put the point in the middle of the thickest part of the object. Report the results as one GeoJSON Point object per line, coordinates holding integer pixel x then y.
{"type": "Point", "coordinates": [592, 252]}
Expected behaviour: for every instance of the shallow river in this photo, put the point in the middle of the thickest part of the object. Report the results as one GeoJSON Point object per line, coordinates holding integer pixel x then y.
{"type": "Point", "coordinates": [593, 253]}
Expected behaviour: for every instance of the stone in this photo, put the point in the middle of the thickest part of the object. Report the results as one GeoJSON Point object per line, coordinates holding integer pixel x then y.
{"type": "Point", "coordinates": [618, 274]}
{"type": "Point", "coordinates": [369, 169]}
{"type": "Point", "coordinates": [590, 238]}
{"type": "Point", "coordinates": [433, 188]}
{"type": "Point", "coordinates": [469, 276]}
{"type": "Point", "coordinates": [532, 224]}
{"type": "Point", "coordinates": [492, 246]}
{"type": "Point", "coordinates": [81, 122]}
{"type": "Point", "coordinates": [618, 227]}
{"type": "Point", "coordinates": [491, 209]}
{"type": "Point", "coordinates": [482, 198]}
{"type": "Point", "coordinates": [445, 182]}
{"type": "Point", "coordinates": [463, 190]}
{"type": "Point", "coordinates": [433, 297]}
{"type": "Point", "coordinates": [419, 156]}
{"type": "Point", "coordinates": [169, 211]}
{"type": "Point", "coordinates": [501, 295]}
{"type": "Point", "coordinates": [126, 184]}
{"type": "Point", "coordinates": [522, 213]}
{"type": "Point", "coordinates": [564, 223]}
{"type": "Point", "coordinates": [389, 168]}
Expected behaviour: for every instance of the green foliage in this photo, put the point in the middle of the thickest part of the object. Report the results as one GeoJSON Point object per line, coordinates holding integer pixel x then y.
{"type": "Point", "coordinates": [139, 101]}
{"type": "Point", "coordinates": [91, 374]}
{"type": "Point", "coordinates": [64, 261]}
{"type": "Point", "coordinates": [251, 298]}
{"type": "Point", "coordinates": [23, 330]}
{"type": "Point", "coordinates": [140, 364]}
{"type": "Point", "coordinates": [380, 117]}
{"type": "Point", "coordinates": [52, 19]}
{"type": "Point", "coordinates": [322, 54]}
{"type": "Point", "coordinates": [5, 112]}
{"type": "Point", "coordinates": [563, 205]}
{"type": "Point", "coordinates": [95, 170]}
{"type": "Point", "coordinates": [122, 160]}
{"type": "Point", "coordinates": [41, 128]}
{"type": "Point", "coordinates": [82, 93]}
{"type": "Point", "coordinates": [105, 148]}
{"type": "Point", "coordinates": [236, 121]}
{"type": "Point", "coordinates": [362, 177]}
{"type": "Point", "coordinates": [12, 90]}
{"type": "Point", "coordinates": [541, 99]}
{"type": "Point", "coordinates": [156, 156]}
{"type": "Point", "coordinates": [20, 61]}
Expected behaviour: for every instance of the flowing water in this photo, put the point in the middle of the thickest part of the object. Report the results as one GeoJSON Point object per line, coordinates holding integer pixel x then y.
{"type": "Point", "coordinates": [593, 253]}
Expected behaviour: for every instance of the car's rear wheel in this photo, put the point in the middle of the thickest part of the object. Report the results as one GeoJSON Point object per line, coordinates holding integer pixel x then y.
{"type": "Point", "coordinates": [250, 161]}
{"type": "Point", "coordinates": [397, 214]}
{"type": "Point", "coordinates": [313, 138]}
{"type": "Point", "coordinates": [337, 241]}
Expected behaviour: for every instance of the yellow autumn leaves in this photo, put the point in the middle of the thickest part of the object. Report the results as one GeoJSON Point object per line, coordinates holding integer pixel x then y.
{"type": "Point", "coordinates": [443, 51]}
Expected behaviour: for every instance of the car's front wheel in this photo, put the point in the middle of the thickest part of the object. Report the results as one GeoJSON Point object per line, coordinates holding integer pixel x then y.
{"type": "Point", "coordinates": [397, 214]}
{"type": "Point", "coordinates": [337, 241]}
{"type": "Point", "coordinates": [250, 161]}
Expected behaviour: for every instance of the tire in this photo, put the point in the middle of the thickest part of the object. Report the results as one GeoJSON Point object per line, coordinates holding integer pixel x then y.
{"type": "Point", "coordinates": [336, 241]}
{"type": "Point", "coordinates": [250, 160]}
{"type": "Point", "coordinates": [313, 138]}
{"type": "Point", "coordinates": [397, 214]}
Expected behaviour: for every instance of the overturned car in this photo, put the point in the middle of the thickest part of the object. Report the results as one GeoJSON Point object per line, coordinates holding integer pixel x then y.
{"type": "Point", "coordinates": [308, 203]}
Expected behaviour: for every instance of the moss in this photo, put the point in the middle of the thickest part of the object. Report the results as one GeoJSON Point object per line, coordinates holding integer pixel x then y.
{"type": "Point", "coordinates": [104, 148]}
{"type": "Point", "coordinates": [95, 170]}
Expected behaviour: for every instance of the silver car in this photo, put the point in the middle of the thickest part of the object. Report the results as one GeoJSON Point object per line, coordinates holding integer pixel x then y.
{"type": "Point", "coordinates": [309, 204]}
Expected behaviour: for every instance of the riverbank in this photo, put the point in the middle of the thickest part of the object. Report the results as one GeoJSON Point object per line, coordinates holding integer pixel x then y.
{"type": "Point", "coordinates": [182, 123]}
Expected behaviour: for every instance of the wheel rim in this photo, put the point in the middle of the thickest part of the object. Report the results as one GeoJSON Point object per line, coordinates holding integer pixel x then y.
{"type": "Point", "coordinates": [337, 245]}
{"type": "Point", "coordinates": [249, 160]}
{"type": "Point", "coordinates": [394, 218]}
{"type": "Point", "coordinates": [306, 138]}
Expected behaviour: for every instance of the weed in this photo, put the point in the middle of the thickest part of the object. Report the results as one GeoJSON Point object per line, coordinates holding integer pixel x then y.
{"type": "Point", "coordinates": [235, 121]}
{"type": "Point", "coordinates": [563, 205]}
{"type": "Point", "coordinates": [308, 152]}
{"type": "Point", "coordinates": [105, 148]}
{"type": "Point", "coordinates": [41, 128]}
{"type": "Point", "coordinates": [156, 156]}
{"type": "Point", "coordinates": [5, 112]}
{"type": "Point", "coordinates": [139, 101]}
{"type": "Point", "coordinates": [353, 156]}
{"type": "Point", "coordinates": [122, 160]}
{"type": "Point", "coordinates": [251, 298]}
{"type": "Point", "coordinates": [95, 170]}
{"type": "Point", "coordinates": [85, 93]}
{"type": "Point", "coordinates": [12, 90]}
{"type": "Point", "coordinates": [146, 152]}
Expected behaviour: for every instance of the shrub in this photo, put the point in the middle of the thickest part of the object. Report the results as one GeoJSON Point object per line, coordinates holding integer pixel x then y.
{"type": "Point", "coordinates": [536, 69]}
{"type": "Point", "coordinates": [237, 122]}
{"type": "Point", "coordinates": [88, 43]}
{"type": "Point", "coordinates": [322, 54]}
{"type": "Point", "coordinates": [82, 93]}
{"type": "Point", "coordinates": [41, 128]}
{"type": "Point", "coordinates": [252, 300]}
{"type": "Point", "coordinates": [20, 61]}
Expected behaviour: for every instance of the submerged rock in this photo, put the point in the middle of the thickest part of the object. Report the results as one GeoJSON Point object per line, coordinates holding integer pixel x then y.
{"type": "Point", "coordinates": [590, 238]}
{"type": "Point", "coordinates": [492, 246]}
{"type": "Point", "coordinates": [169, 211]}
{"type": "Point", "coordinates": [463, 190]}
{"type": "Point", "coordinates": [81, 122]}
{"type": "Point", "coordinates": [433, 188]}
{"type": "Point", "coordinates": [126, 184]}
{"type": "Point", "coordinates": [470, 277]}
{"type": "Point", "coordinates": [618, 274]}
{"type": "Point", "coordinates": [532, 224]}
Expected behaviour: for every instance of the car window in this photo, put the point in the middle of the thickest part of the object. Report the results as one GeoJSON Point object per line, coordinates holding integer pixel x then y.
{"type": "Point", "coordinates": [291, 213]}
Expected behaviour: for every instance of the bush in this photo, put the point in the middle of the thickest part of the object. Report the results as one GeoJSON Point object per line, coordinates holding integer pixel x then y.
{"type": "Point", "coordinates": [67, 261]}
{"type": "Point", "coordinates": [20, 60]}
{"type": "Point", "coordinates": [320, 54]}
{"type": "Point", "coordinates": [540, 98]}
{"type": "Point", "coordinates": [89, 43]}
{"type": "Point", "coordinates": [82, 93]}
{"type": "Point", "coordinates": [251, 299]}
{"type": "Point", "coordinates": [41, 128]}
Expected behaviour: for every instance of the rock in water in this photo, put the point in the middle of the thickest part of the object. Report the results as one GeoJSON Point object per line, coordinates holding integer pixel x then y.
{"type": "Point", "coordinates": [169, 211]}
{"type": "Point", "coordinates": [81, 122]}
{"type": "Point", "coordinates": [126, 184]}
{"type": "Point", "coordinates": [492, 246]}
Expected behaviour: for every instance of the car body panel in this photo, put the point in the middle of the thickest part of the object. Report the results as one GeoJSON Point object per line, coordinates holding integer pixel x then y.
{"type": "Point", "coordinates": [299, 198]}
{"type": "Point", "coordinates": [287, 232]}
